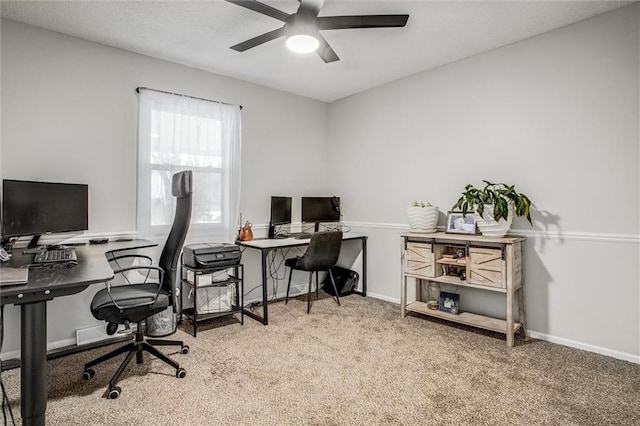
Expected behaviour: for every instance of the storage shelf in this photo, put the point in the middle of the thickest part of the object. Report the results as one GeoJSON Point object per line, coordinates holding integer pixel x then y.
{"type": "Point", "coordinates": [208, 270]}
{"type": "Point", "coordinates": [230, 280]}
{"type": "Point", "coordinates": [235, 278]}
{"type": "Point", "coordinates": [443, 279]}
{"type": "Point", "coordinates": [452, 262]}
{"type": "Point", "coordinates": [189, 313]}
{"type": "Point", "coordinates": [467, 318]}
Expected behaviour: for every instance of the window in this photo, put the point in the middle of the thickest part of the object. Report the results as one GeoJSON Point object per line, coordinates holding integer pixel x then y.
{"type": "Point", "coordinates": [183, 133]}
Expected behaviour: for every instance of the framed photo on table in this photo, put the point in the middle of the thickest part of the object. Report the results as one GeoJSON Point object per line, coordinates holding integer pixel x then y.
{"type": "Point", "coordinates": [449, 302]}
{"type": "Point", "coordinates": [458, 223]}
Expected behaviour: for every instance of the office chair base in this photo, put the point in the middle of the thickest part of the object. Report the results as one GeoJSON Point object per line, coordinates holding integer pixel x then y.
{"type": "Point", "coordinates": [114, 392]}
{"type": "Point", "coordinates": [135, 348]}
{"type": "Point", "coordinates": [184, 349]}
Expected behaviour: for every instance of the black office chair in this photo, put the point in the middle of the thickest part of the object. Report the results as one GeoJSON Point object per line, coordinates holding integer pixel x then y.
{"type": "Point", "coordinates": [321, 255]}
{"type": "Point", "coordinates": [135, 302]}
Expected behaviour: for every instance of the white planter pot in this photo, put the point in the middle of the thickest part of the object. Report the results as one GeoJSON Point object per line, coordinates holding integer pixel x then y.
{"type": "Point", "coordinates": [422, 219]}
{"type": "Point", "coordinates": [488, 225]}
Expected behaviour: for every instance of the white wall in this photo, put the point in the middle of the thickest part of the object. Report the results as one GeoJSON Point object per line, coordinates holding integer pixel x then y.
{"type": "Point", "coordinates": [556, 115]}
{"type": "Point", "coordinates": [70, 114]}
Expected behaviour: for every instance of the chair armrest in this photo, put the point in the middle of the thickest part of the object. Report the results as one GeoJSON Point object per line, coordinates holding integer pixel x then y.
{"type": "Point", "coordinates": [118, 269]}
{"type": "Point", "coordinates": [149, 268]}
{"type": "Point", "coordinates": [124, 256]}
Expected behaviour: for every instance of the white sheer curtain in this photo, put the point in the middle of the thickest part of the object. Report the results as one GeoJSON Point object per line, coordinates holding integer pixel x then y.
{"type": "Point", "coordinates": [182, 133]}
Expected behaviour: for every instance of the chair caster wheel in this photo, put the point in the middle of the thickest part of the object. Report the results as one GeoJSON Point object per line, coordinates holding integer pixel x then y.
{"type": "Point", "coordinates": [184, 350]}
{"type": "Point", "coordinates": [114, 392]}
{"type": "Point", "coordinates": [88, 374]}
{"type": "Point", "coordinates": [112, 328]}
{"type": "Point", "coordinates": [181, 373]}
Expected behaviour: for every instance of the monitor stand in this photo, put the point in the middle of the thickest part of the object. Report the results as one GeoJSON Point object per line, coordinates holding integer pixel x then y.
{"type": "Point", "coordinates": [34, 241]}
{"type": "Point", "coordinates": [33, 246]}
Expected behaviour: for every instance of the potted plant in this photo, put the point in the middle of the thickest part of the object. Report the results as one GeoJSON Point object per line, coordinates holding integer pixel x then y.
{"type": "Point", "coordinates": [494, 207]}
{"type": "Point", "coordinates": [422, 216]}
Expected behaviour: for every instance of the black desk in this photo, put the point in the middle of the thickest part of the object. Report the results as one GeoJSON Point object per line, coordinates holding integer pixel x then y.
{"type": "Point", "coordinates": [267, 245]}
{"type": "Point", "coordinates": [46, 284]}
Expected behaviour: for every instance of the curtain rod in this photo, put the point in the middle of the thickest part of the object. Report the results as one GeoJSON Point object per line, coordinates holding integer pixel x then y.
{"type": "Point", "coordinates": [180, 94]}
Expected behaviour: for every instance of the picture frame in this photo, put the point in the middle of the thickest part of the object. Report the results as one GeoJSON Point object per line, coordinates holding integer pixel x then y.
{"type": "Point", "coordinates": [449, 302]}
{"type": "Point", "coordinates": [458, 223]}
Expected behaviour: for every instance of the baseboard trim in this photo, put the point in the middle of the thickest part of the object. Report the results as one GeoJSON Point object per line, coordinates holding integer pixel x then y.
{"type": "Point", "coordinates": [552, 339]}
{"type": "Point", "coordinates": [51, 346]}
{"type": "Point", "coordinates": [585, 347]}
{"type": "Point", "coordinates": [296, 290]}
{"type": "Point", "coordinates": [383, 297]}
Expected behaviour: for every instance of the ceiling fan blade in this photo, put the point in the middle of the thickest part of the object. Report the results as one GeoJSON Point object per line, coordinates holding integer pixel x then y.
{"type": "Point", "coordinates": [325, 51]}
{"type": "Point", "coordinates": [362, 21]}
{"type": "Point", "coordinates": [256, 6]}
{"type": "Point", "coordinates": [311, 7]}
{"type": "Point", "coordinates": [256, 41]}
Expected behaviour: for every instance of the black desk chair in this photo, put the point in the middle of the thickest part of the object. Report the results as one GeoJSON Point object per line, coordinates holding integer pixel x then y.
{"type": "Point", "coordinates": [321, 255]}
{"type": "Point", "coordinates": [135, 302]}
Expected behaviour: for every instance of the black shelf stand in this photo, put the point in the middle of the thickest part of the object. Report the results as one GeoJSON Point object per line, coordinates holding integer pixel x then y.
{"type": "Point", "coordinates": [236, 277]}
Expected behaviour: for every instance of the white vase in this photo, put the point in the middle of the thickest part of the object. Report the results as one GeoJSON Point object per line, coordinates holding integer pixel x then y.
{"type": "Point", "coordinates": [489, 227]}
{"type": "Point", "coordinates": [422, 219]}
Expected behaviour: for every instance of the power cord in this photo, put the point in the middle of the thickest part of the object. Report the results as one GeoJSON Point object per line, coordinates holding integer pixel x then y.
{"type": "Point", "coordinates": [252, 290]}
{"type": "Point", "coordinates": [252, 305]}
{"type": "Point", "coordinates": [339, 227]}
{"type": "Point", "coordinates": [287, 234]}
{"type": "Point", "coordinates": [273, 275]}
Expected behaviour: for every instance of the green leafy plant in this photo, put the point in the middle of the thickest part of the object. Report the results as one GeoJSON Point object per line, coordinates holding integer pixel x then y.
{"type": "Point", "coordinates": [498, 194]}
{"type": "Point", "coordinates": [417, 203]}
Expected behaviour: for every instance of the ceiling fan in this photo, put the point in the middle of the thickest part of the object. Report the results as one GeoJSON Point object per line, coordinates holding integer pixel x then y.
{"type": "Point", "coordinates": [302, 29]}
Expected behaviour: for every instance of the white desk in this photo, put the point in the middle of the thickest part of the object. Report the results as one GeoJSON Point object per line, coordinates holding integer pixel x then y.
{"type": "Point", "coordinates": [267, 245]}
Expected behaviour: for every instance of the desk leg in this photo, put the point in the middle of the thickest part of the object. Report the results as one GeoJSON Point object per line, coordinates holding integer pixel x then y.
{"type": "Point", "coordinates": [265, 313]}
{"type": "Point", "coordinates": [364, 267]}
{"type": "Point", "coordinates": [264, 319]}
{"type": "Point", "coordinates": [33, 372]}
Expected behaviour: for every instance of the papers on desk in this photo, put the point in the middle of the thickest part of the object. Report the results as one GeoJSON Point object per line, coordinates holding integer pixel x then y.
{"type": "Point", "coordinates": [13, 276]}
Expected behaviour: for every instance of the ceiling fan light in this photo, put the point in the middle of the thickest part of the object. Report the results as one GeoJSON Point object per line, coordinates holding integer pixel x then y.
{"type": "Point", "coordinates": [302, 43]}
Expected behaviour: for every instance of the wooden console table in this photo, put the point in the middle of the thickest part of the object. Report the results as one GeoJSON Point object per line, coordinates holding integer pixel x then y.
{"type": "Point", "coordinates": [492, 264]}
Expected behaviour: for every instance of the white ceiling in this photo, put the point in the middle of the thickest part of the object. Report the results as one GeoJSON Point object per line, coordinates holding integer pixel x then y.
{"type": "Point", "coordinates": [199, 33]}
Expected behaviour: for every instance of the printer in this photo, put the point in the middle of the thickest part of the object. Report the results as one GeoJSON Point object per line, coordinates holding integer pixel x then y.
{"type": "Point", "coordinates": [211, 255]}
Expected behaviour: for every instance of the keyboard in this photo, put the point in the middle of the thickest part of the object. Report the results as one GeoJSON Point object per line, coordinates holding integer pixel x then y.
{"type": "Point", "coordinates": [56, 255]}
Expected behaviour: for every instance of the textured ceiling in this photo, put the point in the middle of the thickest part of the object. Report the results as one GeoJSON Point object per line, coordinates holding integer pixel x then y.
{"type": "Point", "coordinates": [199, 33]}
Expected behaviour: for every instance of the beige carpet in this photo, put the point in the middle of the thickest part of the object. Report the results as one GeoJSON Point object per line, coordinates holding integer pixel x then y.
{"type": "Point", "coordinates": [359, 364]}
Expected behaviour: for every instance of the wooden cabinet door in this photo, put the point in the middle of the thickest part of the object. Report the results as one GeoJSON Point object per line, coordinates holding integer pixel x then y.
{"type": "Point", "coordinates": [419, 260]}
{"type": "Point", "coordinates": [486, 267]}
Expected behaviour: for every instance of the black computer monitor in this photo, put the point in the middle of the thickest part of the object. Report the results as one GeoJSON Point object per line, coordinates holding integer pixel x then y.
{"type": "Point", "coordinates": [320, 209]}
{"type": "Point", "coordinates": [36, 208]}
{"type": "Point", "coordinates": [280, 213]}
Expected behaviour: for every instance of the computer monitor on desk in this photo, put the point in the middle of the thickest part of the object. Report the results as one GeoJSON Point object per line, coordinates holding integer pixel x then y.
{"type": "Point", "coordinates": [34, 208]}
{"type": "Point", "coordinates": [320, 209]}
{"type": "Point", "coordinates": [280, 213]}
